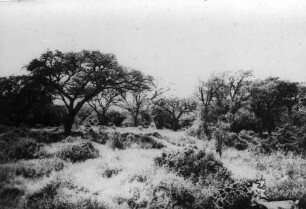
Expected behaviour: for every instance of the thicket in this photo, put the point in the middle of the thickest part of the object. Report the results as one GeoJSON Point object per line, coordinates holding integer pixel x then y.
{"type": "Point", "coordinates": [272, 109]}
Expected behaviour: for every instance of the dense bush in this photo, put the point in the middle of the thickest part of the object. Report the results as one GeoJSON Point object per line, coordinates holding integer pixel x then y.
{"type": "Point", "coordinates": [171, 195]}
{"type": "Point", "coordinates": [23, 148]}
{"type": "Point", "coordinates": [10, 197]}
{"type": "Point", "coordinates": [116, 117]}
{"type": "Point", "coordinates": [162, 118]}
{"type": "Point", "coordinates": [195, 165]}
{"type": "Point", "coordinates": [79, 152]}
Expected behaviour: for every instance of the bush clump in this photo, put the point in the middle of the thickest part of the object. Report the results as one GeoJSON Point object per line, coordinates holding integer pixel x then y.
{"type": "Point", "coordinates": [128, 140]}
{"type": "Point", "coordinates": [24, 148]}
{"type": "Point", "coordinates": [79, 152]}
{"type": "Point", "coordinates": [195, 165]}
{"type": "Point", "coordinates": [10, 197]}
{"type": "Point", "coordinates": [51, 197]}
{"type": "Point", "coordinates": [171, 195]}
{"type": "Point", "coordinates": [37, 169]}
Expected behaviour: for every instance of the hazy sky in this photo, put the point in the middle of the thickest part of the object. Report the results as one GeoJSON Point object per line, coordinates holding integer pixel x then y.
{"type": "Point", "coordinates": [176, 41]}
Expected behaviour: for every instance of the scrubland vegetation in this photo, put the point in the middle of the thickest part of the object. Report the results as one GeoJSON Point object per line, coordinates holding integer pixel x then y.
{"type": "Point", "coordinates": [82, 131]}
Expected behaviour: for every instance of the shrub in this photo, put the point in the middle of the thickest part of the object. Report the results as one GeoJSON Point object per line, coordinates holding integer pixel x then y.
{"type": "Point", "coordinates": [10, 197]}
{"type": "Point", "coordinates": [116, 117]}
{"type": "Point", "coordinates": [79, 152]}
{"type": "Point", "coordinates": [285, 190]}
{"type": "Point", "coordinates": [24, 148]}
{"type": "Point", "coordinates": [36, 169]}
{"type": "Point", "coordinates": [46, 137]}
{"type": "Point", "coordinates": [171, 195]}
{"type": "Point", "coordinates": [241, 145]}
{"type": "Point", "coordinates": [108, 170]}
{"type": "Point", "coordinates": [100, 138]}
{"type": "Point", "coordinates": [115, 141]}
{"type": "Point", "coordinates": [148, 142]}
{"type": "Point", "coordinates": [50, 196]}
{"type": "Point", "coordinates": [127, 140]}
{"type": "Point", "coordinates": [195, 165]}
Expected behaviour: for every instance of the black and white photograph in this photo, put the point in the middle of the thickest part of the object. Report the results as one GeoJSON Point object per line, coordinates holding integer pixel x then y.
{"type": "Point", "coordinates": [152, 104]}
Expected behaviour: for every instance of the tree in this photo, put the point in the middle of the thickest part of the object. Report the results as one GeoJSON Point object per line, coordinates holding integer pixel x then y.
{"type": "Point", "coordinates": [22, 100]}
{"type": "Point", "coordinates": [138, 102]}
{"type": "Point", "coordinates": [77, 77]}
{"type": "Point", "coordinates": [288, 94]}
{"type": "Point", "coordinates": [237, 89]}
{"type": "Point", "coordinates": [102, 102]}
{"type": "Point", "coordinates": [266, 103]}
{"type": "Point", "coordinates": [210, 94]}
{"type": "Point", "coordinates": [175, 108]}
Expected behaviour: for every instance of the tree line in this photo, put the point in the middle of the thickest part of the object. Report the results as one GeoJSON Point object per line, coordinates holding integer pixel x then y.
{"type": "Point", "coordinates": [96, 80]}
{"type": "Point", "coordinates": [77, 79]}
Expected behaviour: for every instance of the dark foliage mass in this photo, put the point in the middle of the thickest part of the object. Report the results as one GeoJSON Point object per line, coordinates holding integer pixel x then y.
{"type": "Point", "coordinates": [128, 140]}
{"type": "Point", "coordinates": [79, 152]}
{"type": "Point", "coordinates": [194, 165]}
{"type": "Point", "coordinates": [232, 103]}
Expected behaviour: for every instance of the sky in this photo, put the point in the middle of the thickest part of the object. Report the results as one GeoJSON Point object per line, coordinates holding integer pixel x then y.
{"type": "Point", "coordinates": [179, 42]}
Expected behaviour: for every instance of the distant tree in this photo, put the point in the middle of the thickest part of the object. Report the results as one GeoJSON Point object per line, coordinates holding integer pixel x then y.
{"type": "Point", "coordinates": [175, 108]}
{"type": "Point", "coordinates": [139, 101]}
{"type": "Point", "coordinates": [238, 91]}
{"type": "Point", "coordinates": [288, 94]}
{"type": "Point", "coordinates": [77, 77]}
{"type": "Point", "coordinates": [210, 94]}
{"type": "Point", "coordinates": [266, 103]}
{"type": "Point", "coordinates": [102, 102]}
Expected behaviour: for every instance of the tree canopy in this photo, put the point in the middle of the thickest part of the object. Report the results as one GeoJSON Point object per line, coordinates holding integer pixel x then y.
{"type": "Point", "coordinates": [77, 77]}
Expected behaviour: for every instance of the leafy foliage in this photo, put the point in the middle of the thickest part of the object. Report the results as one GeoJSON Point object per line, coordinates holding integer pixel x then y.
{"type": "Point", "coordinates": [195, 165]}
{"type": "Point", "coordinates": [79, 152]}
{"type": "Point", "coordinates": [78, 77]}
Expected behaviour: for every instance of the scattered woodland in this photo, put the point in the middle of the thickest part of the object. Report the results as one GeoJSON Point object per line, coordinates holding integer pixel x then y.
{"type": "Point", "coordinates": [79, 130]}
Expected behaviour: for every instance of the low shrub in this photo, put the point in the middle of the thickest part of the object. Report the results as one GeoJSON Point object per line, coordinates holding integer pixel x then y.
{"type": "Point", "coordinates": [10, 197]}
{"type": "Point", "coordinates": [79, 152]}
{"type": "Point", "coordinates": [100, 138]}
{"type": "Point", "coordinates": [109, 171]}
{"type": "Point", "coordinates": [116, 117]}
{"type": "Point", "coordinates": [51, 196]}
{"type": "Point", "coordinates": [195, 165]}
{"type": "Point", "coordinates": [128, 140]}
{"type": "Point", "coordinates": [171, 195]}
{"type": "Point", "coordinates": [116, 141]}
{"type": "Point", "coordinates": [147, 142]}
{"type": "Point", "coordinates": [47, 137]}
{"type": "Point", "coordinates": [285, 190]}
{"type": "Point", "coordinates": [37, 169]}
{"type": "Point", "coordinates": [24, 148]}
{"type": "Point", "coordinates": [241, 145]}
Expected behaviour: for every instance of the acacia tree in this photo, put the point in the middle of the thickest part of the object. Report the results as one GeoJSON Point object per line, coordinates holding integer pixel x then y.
{"type": "Point", "coordinates": [77, 77]}
{"type": "Point", "coordinates": [102, 102]}
{"type": "Point", "coordinates": [175, 108]}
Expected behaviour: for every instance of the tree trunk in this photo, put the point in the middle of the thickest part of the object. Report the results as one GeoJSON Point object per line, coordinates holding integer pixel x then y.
{"type": "Point", "coordinates": [69, 120]}
{"type": "Point", "coordinates": [136, 121]}
{"type": "Point", "coordinates": [174, 125]}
